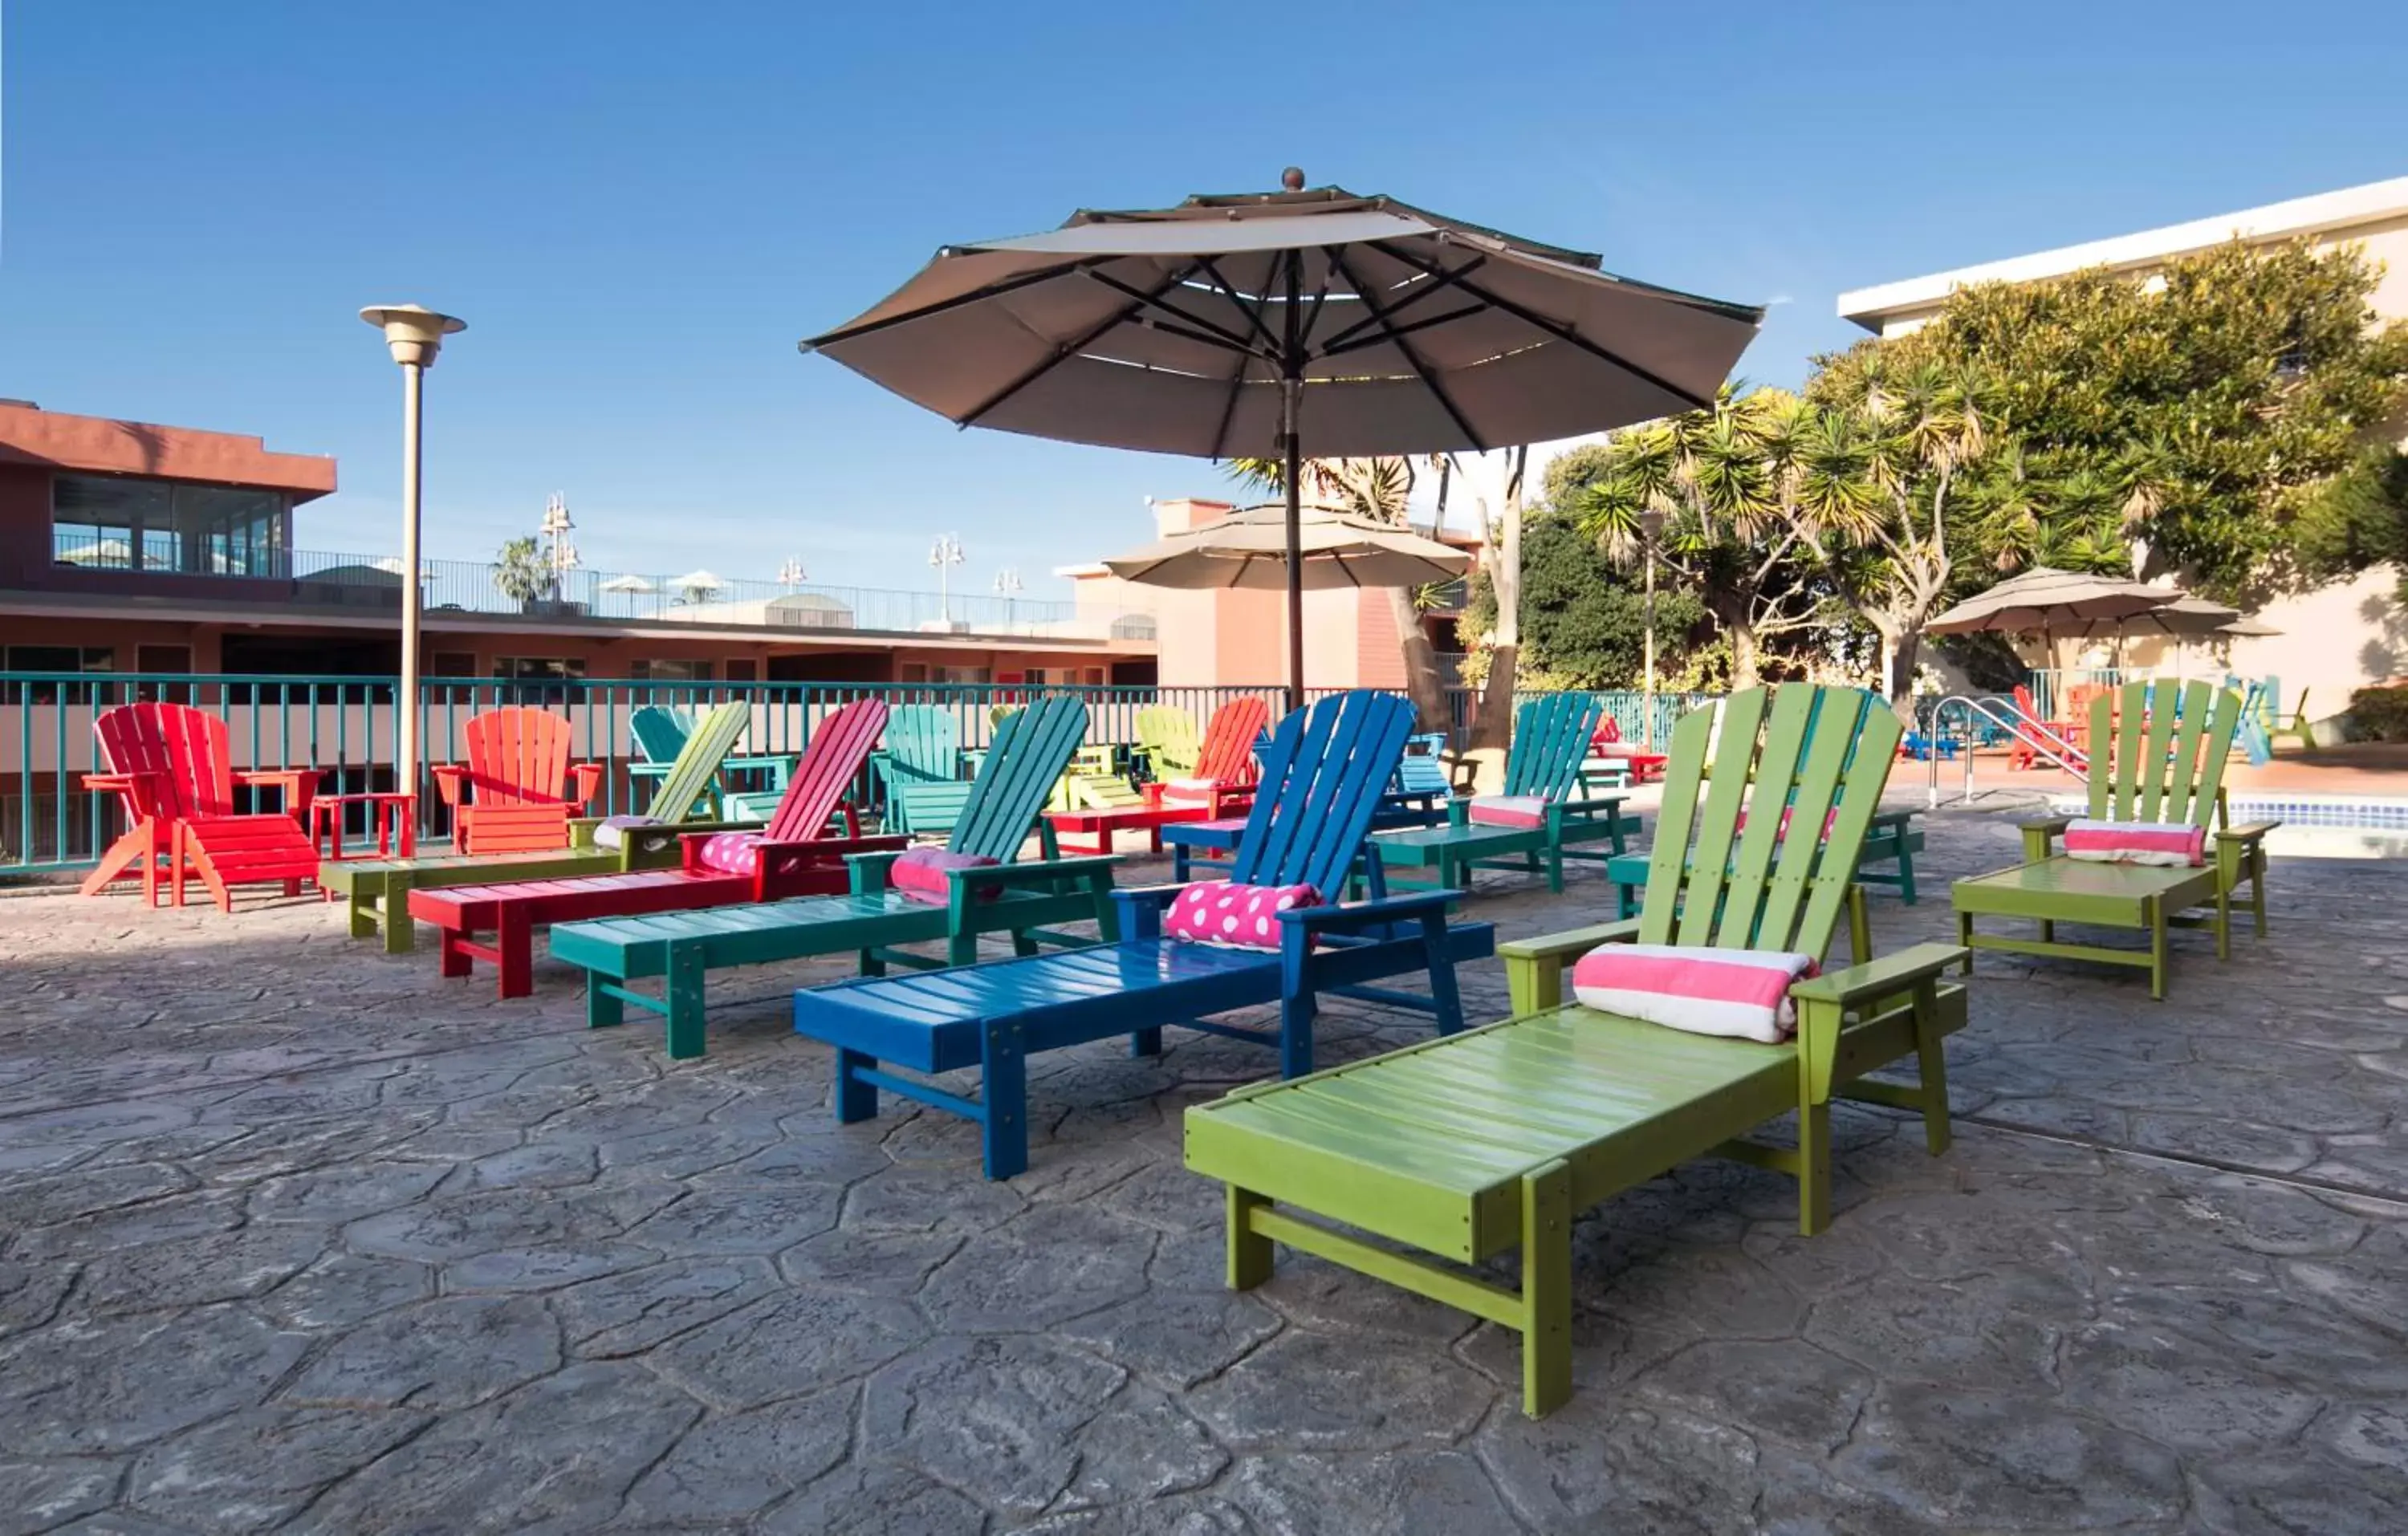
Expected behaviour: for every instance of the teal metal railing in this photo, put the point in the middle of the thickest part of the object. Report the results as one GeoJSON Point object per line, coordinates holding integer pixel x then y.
{"type": "Point", "coordinates": [346, 728]}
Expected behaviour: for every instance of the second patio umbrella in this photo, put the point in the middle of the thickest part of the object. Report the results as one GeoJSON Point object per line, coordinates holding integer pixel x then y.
{"type": "Point", "coordinates": [1249, 551]}
{"type": "Point", "coordinates": [1278, 324]}
{"type": "Point", "coordinates": [2044, 600]}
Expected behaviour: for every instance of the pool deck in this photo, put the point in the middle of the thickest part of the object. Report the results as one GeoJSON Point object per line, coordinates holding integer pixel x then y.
{"type": "Point", "coordinates": [2372, 770]}
{"type": "Point", "coordinates": [300, 1237]}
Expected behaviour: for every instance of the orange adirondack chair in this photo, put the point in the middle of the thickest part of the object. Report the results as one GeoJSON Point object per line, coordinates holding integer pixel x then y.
{"type": "Point", "coordinates": [171, 769]}
{"type": "Point", "coordinates": [515, 793]}
{"type": "Point", "coordinates": [1225, 770]}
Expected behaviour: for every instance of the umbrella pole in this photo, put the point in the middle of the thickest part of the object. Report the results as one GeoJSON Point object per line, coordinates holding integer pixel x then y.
{"type": "Point", "coordinates": [1291, 473]}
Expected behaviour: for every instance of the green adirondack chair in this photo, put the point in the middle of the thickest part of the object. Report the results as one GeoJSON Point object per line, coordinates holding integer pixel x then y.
{"type": "Point", "coordinates": [376, 891]}
{"type": "Point", "coordinates": [921, 769]}
{"type": "Point", "coordinates": [1551, 736]}
{"type": "Point", "coordinates": [1497, 1138]}
{"type": "Point", "coordinates": [1028, 900]}
{"type": "Point", "coordinates": [678, 742]}
{"type": "Point", "coordinates": [2168, 749]}
{"type": "Point", "coordinates": [1171, 743]}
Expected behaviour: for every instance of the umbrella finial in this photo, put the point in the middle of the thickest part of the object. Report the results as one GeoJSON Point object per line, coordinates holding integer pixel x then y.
{"type": "Point", "coordinates": [1293, 178]}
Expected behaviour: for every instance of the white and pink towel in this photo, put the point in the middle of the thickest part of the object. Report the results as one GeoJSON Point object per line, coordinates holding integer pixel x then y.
{"type": "Point", "coordinates": [1191, 792]}
{"type": "Point", "coordinates": [1519, 811]}
{"type": "Point", "coordinates": [919, 873]}
{"type": "Point", "coordinates": [1244, 917]}
{"type": "Point", "coordinates": [1734, 992]}
{"type": "Point", "coordinates": [2168, 843]}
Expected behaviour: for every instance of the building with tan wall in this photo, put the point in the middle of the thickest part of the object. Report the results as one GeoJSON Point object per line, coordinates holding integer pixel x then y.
{"type": "Point", "coordinates": [2331, 640]}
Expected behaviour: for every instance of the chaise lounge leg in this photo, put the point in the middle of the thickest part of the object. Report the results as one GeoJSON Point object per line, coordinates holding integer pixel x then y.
{"type": "Point", "coordinates": [1905, 872]}
{"type": "Point", "coordinates": [1814, 1168]}
{"type": "Point", "coordinates": [683, 989]}
{"type": "Point", "coordinates": [855, 1099]}
{"type": "Point", "coordinates": [1546, 1288]}
{"type": "Point", "coordinates": [1250, 1257]}
{"type": "Point", "coordinates": [1146, 1043]}
{"type": "Point", "coordinates": [455, 961]}
{"type": "Point", "coordinates": [1297, 1010]}
{"type": "Point", "coordinates": [1447, 998]}
{"type": "Point", "coordinates": [400, 929]}
{"type": "Point", "coordinates": [603, 1007]}
{"type": "Point", "coordinates": [1003, 1093]}
{"type": "Point", "coordinates": [2258, 886]}
{"type": "Point", "coordinates": [2153, 915]}
{"type": "Point", "coordinates": [514, 941]}
{"type": "Point", "coordinates": [1965, 938]}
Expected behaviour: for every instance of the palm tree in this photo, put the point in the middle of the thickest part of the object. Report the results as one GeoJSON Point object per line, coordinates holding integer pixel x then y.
{"type": "Point", "coordinates": [1380, 490]}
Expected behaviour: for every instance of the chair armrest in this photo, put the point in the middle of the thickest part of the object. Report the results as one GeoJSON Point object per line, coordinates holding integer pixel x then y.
{"type": "Point", "coordinates": [869, 871]}
{"type": "Point", "coordinates": [2040, 834]}
{"type": "Point", "coordinates": [760, 765]}
{"type": "Point", "coordinates": [825, 848]}
{"type": "Point", "coordinates": [583, 780]}
{"type": "Point", "coordinates": [1881, 978]}
{"type": "Point", "coordinates": [1534, 968]}
{"type": "Point", "coordinates": [647, 770]}
{"type": "Point", "coordinates": [449, 779]}
{"type": "Point", "coordinates": [138, 785]}
{"type": "Point", "coordinates": [2250, 832]}
{"type": "Point", "coordinates": [299, 785]}
{"type": "Point", "coordinates": [1365, 915]}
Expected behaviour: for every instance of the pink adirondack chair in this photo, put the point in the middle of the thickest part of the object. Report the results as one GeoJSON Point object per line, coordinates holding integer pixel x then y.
{"type": "Point", "coordinates": [171, 769]}
{"type": "Point", "coordinates": [515, 793]}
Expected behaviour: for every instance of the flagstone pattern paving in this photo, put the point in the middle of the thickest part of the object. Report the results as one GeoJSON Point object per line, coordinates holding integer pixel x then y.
{"type": "Point", "coordinates": [299, 1236]}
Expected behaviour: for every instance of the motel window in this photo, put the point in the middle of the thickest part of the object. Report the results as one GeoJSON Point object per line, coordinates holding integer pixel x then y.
{"type": "Point", "coordinates": [123, 523]}
{"type": "Point", "coordinates": [54, 659]}
{"type": "Point", "coordinates": [541, 679]}
{"type": "Point", "coordinates": [670, 671]}
{"type": "Point", "coordinates": [743, 669]}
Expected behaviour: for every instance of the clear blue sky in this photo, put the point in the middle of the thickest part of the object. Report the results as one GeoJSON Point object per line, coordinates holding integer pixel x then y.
{"type": "Point", "coordinates": [639, 207]}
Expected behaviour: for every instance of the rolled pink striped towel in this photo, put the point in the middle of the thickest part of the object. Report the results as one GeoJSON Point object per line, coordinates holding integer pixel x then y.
{"type": "Point", "coordinates": [2168, 843]}
{"type": "Point", "coordinates": [1524, 811]}
{"type": "Point", "coordinates": [1742, 993]}
{"type": "Point", "coordinates": [1191, 791]}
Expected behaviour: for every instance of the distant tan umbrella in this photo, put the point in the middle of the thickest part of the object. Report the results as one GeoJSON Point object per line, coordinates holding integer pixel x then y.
{"type": "Point", "coordinates": [2247, 629]}
{"type": "Point", "coordinates": [632, 585]}
{"type": "Point", "coordinates": [2049, 601]}
{"type": "Point", "coordinates": [1249, 551]}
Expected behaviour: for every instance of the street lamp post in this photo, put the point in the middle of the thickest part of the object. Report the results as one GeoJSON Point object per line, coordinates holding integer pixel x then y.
{"type": "Point", "coordinates": [1650, 529]}
{"type": "Point", "coordinates": [945, 554]}
{"type": "Point", "coordinates": [1007, 587]}
{"type": "Point", "coordinates": [415, 334]}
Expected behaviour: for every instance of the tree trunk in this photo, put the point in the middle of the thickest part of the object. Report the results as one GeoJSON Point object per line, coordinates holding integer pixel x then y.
{"type": "Point", "coordinates": [1421, 683]}
{"type": "Point", "coordinates": [1906, 650]}
{"type": "Point", "coordinates": [1744, 661]}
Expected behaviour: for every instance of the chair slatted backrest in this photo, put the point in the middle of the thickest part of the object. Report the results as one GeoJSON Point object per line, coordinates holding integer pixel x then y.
{"type": "Point", "coordinates": [1168, 734]}
{"type": "Point", "coordinates": [1032, 749]}
{"type": "Point", "coordinates": [831, 761]}
{"type": "Point", "coordinates": [183, 749]}
{"type": "Point", "coordinates": [1550, 742]}
{"type": "Point", "coordinates": [1423, 773]}
{"type": "Point", "coordinates": [708, 742]}
{"type": "Point", "coordinates": [1323, 775]}
{"type": "Point", "coordinates": [2172, 742]}
{"type": "Point", "coordinates": [661, 733]}
{"type": "Point", "coordinates": [1816, 753]}
{"type": "Point", "coordinates": [518, 755]}
{"type": "Point", "coordinates": [1228, 755]}
{"type": "Point", "coordinates": [924, 740]}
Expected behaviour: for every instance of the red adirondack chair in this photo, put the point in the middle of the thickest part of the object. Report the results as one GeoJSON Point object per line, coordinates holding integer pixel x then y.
{"type": "Point", "coordinates": [1607, 741]}
{"type": "Point", "coordinates": [1225, 768]}
{"type": "Point", "coordinates": [2032, 739]}
{"type": "Point", "coordinates": [791, 856]}
{"type": "Point", "coordinates": [171, 770]}
{"type": "Point", "coordinates": [515, 793]}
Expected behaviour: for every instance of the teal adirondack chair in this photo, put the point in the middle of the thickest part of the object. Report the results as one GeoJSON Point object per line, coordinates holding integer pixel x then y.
{"type": "Point", "coordinates": [921, 769]}
{"type": "Point", "coordinates": [1028, 900]}
{"type": "Point", "coordinates": [1497, 1138]}
{"type": "Point", "coordinates": [1551, 736]}
{"type": "Point", "coordinates": [663, 735]}
{"type": "Point", "coordinates": [1322, 779]}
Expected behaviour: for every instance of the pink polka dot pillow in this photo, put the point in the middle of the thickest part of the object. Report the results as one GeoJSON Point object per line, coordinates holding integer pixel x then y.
{"type": "Point", "coordinates": [1242, 916]}
{"type": "Point", "coordinates": [732, 852]}
{"type": "Point", "coordinates": [920, 873]}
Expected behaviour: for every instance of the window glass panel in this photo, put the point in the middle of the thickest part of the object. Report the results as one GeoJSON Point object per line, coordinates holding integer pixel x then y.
{"type": "Point", "coordinates": [56, 658]}
{"type": "Point", "coordinates": [670, 671]}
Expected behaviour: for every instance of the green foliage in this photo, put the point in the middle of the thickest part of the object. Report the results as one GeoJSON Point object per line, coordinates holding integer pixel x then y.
{"type": "Point", "coordinates": [1584, 620]}
{"type": "Point", "coordinates": [2359, 518]}
{"type": "Point", "coordinates": [2379, 714]}
{"type": "Point", "coordinates": [2204, 414]}
{"type": "Point", "coordinates": [520, 573]}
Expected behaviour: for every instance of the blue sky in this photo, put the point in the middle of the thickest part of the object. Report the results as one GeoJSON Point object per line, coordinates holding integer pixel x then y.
{"type": "Point", "coordinates": [639, 207]}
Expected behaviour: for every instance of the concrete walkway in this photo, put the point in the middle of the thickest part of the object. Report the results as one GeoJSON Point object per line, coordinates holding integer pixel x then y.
{"type": "Point", "coordinates": [300, 1237]}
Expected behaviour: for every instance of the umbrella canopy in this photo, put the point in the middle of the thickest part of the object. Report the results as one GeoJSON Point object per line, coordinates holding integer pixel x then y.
{"type": "Point", "coordinates": [636, 584]}
{"type": "Point", "coordinates": [1287, 323]}
{"type": "Point", "coordinates": [698, 580]}
{"type": "Point", "coordinates": [2181, 617]}
{"type": "Point", "coordinates": [1249, 550]}
{"type": "Point", "coordinates": [2051, 601]}
{"type": "Point", "coordinates": [2246, 628]}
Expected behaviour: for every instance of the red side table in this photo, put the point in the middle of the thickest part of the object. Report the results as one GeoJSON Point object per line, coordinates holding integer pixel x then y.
{"type": "Point", "coordinates": [392, 812]}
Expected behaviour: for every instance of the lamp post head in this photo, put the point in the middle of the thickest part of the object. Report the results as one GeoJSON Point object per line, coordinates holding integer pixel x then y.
{"type": "Point", "coordinates": [414, 331]}
{"type": "Point", "coordinates": [1651, 523]}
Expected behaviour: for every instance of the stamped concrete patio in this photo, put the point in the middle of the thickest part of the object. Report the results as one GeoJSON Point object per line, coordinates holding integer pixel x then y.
{"type": "Point", "coordinates": [300, 1237]}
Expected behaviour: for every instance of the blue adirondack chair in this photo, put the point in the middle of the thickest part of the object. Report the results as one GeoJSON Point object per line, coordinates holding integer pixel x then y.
{"type": "Point", "coordinates": [1323, 774]}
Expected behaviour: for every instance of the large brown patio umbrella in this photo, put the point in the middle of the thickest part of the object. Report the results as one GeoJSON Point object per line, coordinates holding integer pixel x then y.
{"type": "Point", "coordinates": [1275, 325]}
{"type": "Point", "coordinates": [2049, 601]}
{"type": "Point", "coordinates": [1248, 549]}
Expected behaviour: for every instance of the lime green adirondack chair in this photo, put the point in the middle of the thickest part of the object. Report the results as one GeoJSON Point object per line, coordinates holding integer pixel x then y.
{"type": "Point", "coordinates": [1170, 740]}
{"type": "Point", "coordinates": [2169, 748]}
{"type": "Point", "coordinates": [1469, 1146]}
